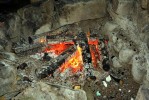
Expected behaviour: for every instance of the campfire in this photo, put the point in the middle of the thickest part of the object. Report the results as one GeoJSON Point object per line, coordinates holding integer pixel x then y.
{"type": "Point", "coordinates": [74, 61]}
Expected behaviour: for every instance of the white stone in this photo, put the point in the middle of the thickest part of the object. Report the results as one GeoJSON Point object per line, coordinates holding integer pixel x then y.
{"type": "Point", "coordinates": [104, 83]}
{"type": "Point", "coordinates": [131, 99]}
{"type": "Point", "coordinates": [108, 79]}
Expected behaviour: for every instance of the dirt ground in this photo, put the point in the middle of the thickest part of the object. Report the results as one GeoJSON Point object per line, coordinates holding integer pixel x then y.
{"type": "Point", "coordinates": [124, 90]}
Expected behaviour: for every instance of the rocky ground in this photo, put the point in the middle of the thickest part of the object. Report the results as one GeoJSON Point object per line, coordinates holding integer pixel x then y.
{"type": "Point", "coordinates": [123, 22]}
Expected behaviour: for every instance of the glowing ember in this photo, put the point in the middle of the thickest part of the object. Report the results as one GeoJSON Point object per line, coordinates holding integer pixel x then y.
{"type": "Point", "coordinates": [95, 52]}
{"type": "Point", "coordinates": [75, 62]}
{"type": "Point", "coordinates": [42, 40]}
{"type": "Point", "coordinates": [58, 48]}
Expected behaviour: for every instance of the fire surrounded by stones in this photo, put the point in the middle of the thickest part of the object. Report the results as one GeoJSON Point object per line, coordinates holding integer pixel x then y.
{"type": "Point", "coordinates": [75, 61]}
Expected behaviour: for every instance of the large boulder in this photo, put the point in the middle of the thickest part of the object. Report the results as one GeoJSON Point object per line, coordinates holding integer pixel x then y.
{"type": "Point", "coordinates": [32, 18]}
{"type": "Point", "coordinates": [7, 77]}
{"type": "Point", "coordinates": [51, 92]}
{"type": "Point", "coordinates": [144, 4]}
{"type": "Point", "coordinates": [123, 7]}
{"type": "Point", "coordinates": [76, 12]}
{"type": "Point", "coordinates": [125, 55]}
{"type": "Point", "coordinates": [14, 28]}
{"type": "Point", "coordinates": [143, 93]}
{"type": "Point", "coordinates": [138, 68]}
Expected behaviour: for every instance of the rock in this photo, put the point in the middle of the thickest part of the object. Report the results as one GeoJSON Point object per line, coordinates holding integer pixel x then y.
{"type": "Point", "coordinates": [147, 68]}
{"type": "Point", "coordinates": [143, 93]}
{"type": "Point", "coordinates": [116, 62]}
{"type": "Point", "coordinates": [115, 4]}
{"type": "Point", "coordinates": [8, 56]}
{"type": "Point", "coordinates": [144, 4]}
{"type": "Point", "coordinates": [138, 68]}
{"type": "Point", "coordinates": [54, 92]}
{"type": "Point", "coordinates": [43, 29]}
{"type": "Point", "coordinates": [8, 46]}
{"type": "Point", "coordinates": [124, 7]}
{"type": "Point", "coordinates": [1, 48]}
{"type": "Point", "coordinates": [31, 18]}
{"type": "Point", "coordinates": [7, 77]}
{"type": "Point", "coordinates": [97, 74]}
{"type": "Point", "coordinates": [118, 45]}
{"type": "Point", "coordinates": [2, 34]}
{"type": "Point", "coordinates": [82, 11]}
{"type": "Point", "coordinates": [125, 55]}
{"type": "Point", "coordinates": [109, 28]}
{"type": "Point", "coordinates": [114, 39]}
{"type": "Point", "coordinates": [14, 29]}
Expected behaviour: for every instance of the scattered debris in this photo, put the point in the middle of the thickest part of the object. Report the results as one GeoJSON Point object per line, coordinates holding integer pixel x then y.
{"type": "Point", "coordinates": [77, 87]}
{"type": "Point", "coordinates": [98, 93]}
{"type": "Point", "coordinates": [104, 83]}
{"type": "Point", "coordinates": [108, 79]}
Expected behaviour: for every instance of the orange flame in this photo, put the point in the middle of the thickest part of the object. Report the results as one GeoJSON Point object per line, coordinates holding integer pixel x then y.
{"type": "Point", "coordinates": [58, 48]}
{"type": "Point", "coordinates": [75, 62]}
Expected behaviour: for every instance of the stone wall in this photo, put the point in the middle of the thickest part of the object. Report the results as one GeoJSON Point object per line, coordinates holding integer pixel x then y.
{"type": "Point", "coordinates": [82, 11]}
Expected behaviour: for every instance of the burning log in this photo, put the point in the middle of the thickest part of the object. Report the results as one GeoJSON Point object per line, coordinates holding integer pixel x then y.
{"type": "Point", "coordinates": [55, 63]}
{"type": "Point", "coordinates": [74, 62]}
{"type": "Point", "coordinates": [83, 41]}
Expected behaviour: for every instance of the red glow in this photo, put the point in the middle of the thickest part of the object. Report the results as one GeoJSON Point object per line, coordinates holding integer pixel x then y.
{"type": "Point", "coordinates": [75, 62]}
{"type": "Point", "coordinates": [58, 48]}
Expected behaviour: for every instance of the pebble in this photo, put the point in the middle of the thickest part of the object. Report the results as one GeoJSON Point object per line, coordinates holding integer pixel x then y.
{"type": "Point", "coordinates": [108, 79]}
{"type": "Point", "coordinates": [98, 93]}
{"type": "Point", "coordinates": [120, 89]}
{"type": "Point", "coordinates": [104, 83]}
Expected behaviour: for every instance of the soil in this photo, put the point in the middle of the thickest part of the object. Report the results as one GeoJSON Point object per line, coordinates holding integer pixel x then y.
{"type": "Point", "coordinates": [126, 89]}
